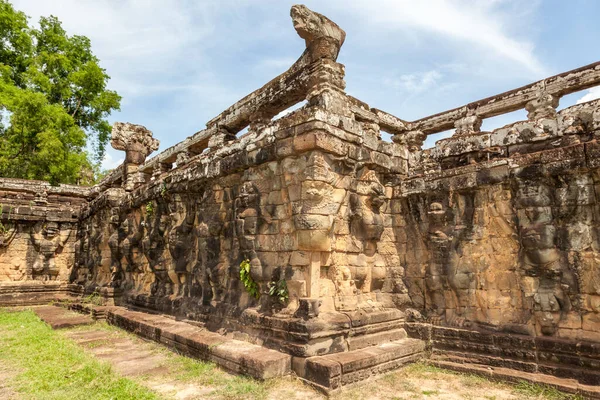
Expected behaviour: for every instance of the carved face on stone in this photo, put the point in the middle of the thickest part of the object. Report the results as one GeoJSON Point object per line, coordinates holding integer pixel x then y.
{"type": "Point", "coordinates": [248, 195]}
{"type": "Point", "coordinates": [365, 205]}
{"type": "Point", "coordinates": [319, 202]}
{"type": "Point", "coordinates": [50, 230]}
{"type": "Point", "coordinates": [535, 223]}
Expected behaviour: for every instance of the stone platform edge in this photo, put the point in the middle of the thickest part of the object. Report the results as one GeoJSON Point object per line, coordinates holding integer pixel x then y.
{"type": "Point", "coordinates": [234, 355]}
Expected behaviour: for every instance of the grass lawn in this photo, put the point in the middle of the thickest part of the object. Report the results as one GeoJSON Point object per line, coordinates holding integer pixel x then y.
{"type": "Point", "coordinates": [49, 366]}
{"type": "Point", "coordinates": [39, 363]}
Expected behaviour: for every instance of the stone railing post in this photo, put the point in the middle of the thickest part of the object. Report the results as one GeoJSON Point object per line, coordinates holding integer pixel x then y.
{"type": "Point", "coordinates": [137, 143]}
{"type": "Point", "coordinates": [468, 125]}
{"type": "Point", "coordinates": [543, 106]}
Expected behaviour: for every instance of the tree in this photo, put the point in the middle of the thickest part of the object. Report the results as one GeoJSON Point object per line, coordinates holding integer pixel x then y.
{"type": "Point", "coordinates": [53, 101]}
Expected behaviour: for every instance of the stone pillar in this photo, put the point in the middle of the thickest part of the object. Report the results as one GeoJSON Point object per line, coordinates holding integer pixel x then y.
{"type": "Point", "coordinates": [468, 125]}
{"type": "Point", "coordinates": [543, 106]}
{"type": "Point", "coordinates": [137, 143]}
{"type": "Point", "coordinates": [413, 140]}
{"type": "Point", "coordinates": [160, 168]}
{"type": "Point", "coordinates": [221, 137]}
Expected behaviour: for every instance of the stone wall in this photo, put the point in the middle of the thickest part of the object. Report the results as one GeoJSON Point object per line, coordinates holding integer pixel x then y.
{"type": "Point", "coordinates": [37, 232]}
{"type": "Point", "coordinates": [509, 243]}
{"type": "Point", "coordinates": [38, 225]}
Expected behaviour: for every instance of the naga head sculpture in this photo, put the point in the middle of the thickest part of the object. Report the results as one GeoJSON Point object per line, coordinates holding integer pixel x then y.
{"type": "Point", "coordinates": [323, 37]}
{"type": "Point", "coordinates": [135, 140]}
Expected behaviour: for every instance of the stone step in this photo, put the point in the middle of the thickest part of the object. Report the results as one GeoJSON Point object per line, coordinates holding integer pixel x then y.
{"type": "Point", "coordinates": [330, 372]}
{"type": "Point", "coordinates": [507, 374]}
{"type": "Point", "coordinates": [58, 317]}
{"type": "Point", "coordinates": [589, 376]}
{"type": "Point", "coordinates": [235, 355]}
{"type": "Point", "coordinates": [374, 339]}
{"type": "Point", "coordinates": [30, 293]}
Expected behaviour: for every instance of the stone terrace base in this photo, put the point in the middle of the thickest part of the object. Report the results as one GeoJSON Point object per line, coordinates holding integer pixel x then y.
{"type": "Point", "coordinates": [330, 332]}
{"type": "Point", "coordinates": [234, 355]}
{"type": "Point", "coordinates": [570, 365]}
{"type": "Point", "coordinates": [32, 293]}
{"type": "Point", "coordinates": [333, 371]}
{"type": "Point", "coordinates": [511, 375]}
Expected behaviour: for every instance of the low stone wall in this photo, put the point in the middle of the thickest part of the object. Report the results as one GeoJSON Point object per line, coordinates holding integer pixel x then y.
{"type": "Point", "coordinates": [38, 225]}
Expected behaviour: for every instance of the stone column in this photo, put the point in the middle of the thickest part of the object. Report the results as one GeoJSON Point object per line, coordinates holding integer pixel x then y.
{"type": "Point", "coordinates": [468, 125]}
{"type": "Point", "coordinates": [543, 106]}
{"type": "Point", "coordinates": [137, 143]}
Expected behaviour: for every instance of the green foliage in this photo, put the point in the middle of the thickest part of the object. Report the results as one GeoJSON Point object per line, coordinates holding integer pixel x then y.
{"type": "Point", "coordinates": [540, 391]}
{"type": "Point", "coordinates": [94, 299]}
{"type": "Point", "coordinates": [149, 208]}
{"type": "Point", "coordinates": [279, 290]}
{"type": "Point", "coordinates": [49, 366]}
{"type": "Point", "coordinates": [163, 190]}
{"type": "Point", "coordinates": [249, 283]}
{"type": "Point", "coordinates": [53, 101]}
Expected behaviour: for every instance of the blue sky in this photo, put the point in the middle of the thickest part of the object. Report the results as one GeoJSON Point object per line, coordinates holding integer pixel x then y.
{"type": "Point", "coordinates": [179, 63]}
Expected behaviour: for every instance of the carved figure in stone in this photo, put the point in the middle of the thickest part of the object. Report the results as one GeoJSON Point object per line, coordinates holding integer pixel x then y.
{"type": "Point", "coordinates": [366, 225]}
{"type": "Point", "coordinates": [94, 252]}
{"type": "Point", "coordinates": [435, 279]}
{"type": "Point", "coordinates": [546, 279]}
{"type": "Point", "coordinates": [210, 271]}
{"type": "Point", "coordinates": [155, 250]}
{"type": "Point", "coordinates": [319, 198]}
{"type": "Point", "coordinates": [80, 273]}
{"type": "Point", "coordinates": [114, 241]}
{"type": "Point", "coordinates": [130, 248]}
{"type": "Point", "coordinates": [459, 273]}
{"type": "Point", "coordinates": [47, 239]}
{"type": "Point", "coordinates": [180, 248]}
{"type": "Point", "coordinates": [247, 213]}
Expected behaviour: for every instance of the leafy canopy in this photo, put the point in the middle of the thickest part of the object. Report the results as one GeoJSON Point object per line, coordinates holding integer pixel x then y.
{"type": "Point", "coordinates": [53, 101]}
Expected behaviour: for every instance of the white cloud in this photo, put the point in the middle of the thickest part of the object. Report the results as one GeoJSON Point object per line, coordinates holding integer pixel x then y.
{"type": "Point", "coordinates": [108, 162]}
{"type": "Point", "coordinates": [484, 25]}
{"type": "Point", "coordinates": [415, 83]}
{"type": "Point", "coordinates": [140, 43]}
{"type": "Point", "coordinates": [592, 94]}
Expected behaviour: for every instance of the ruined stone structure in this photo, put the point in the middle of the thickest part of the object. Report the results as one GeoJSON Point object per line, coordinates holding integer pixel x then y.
{"type": "Point", "coordinates": [485, 249]}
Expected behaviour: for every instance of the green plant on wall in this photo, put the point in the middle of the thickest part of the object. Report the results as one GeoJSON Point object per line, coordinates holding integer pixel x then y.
{"type": "Point", "coordinates": [93, 298]}
{"type": "Point", "coordinates": [279, 290]}
{"type": "Point", "coordinates": [2, 227]}
{"type": "Point", "coordinates": [249, 283]}
{"type": "Point", "coordinates": [163, 190]}
{"type": "Point", "coordinates": [149, 208]}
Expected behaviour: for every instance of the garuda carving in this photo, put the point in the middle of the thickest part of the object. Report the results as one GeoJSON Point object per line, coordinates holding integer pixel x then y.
{"type": "Point", "coordinates": [47, 239]}
{"type": "Point", "coordinates": [180, 239]}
